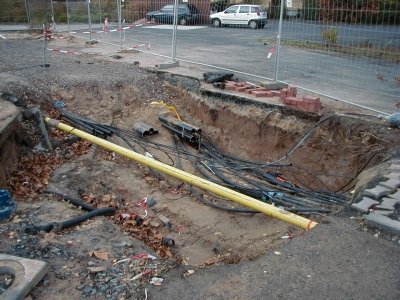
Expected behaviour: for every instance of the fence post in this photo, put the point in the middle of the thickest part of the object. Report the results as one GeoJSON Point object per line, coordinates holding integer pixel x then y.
{"type": "Point", "coordinates": [174, 31]}
{"type": "Point", "coordinates": [119, 24]}
{"type": "Point", "coordinates": [27, 12]}
{"type": "Point", "coordinates": [68, 15]}
{"type": "Point", "coordinates": [89, 20]}
{"type": "Point", "coordinates": [100, 18]}
{"type": "Point", "coordinates": [44, 45]}
{"type": "Point", "coordinates": [52, 15]}
{"type": "Point", "coordinates": [278, 42]}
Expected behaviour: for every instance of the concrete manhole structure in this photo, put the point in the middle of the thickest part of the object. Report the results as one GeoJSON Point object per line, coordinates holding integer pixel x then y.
{"type": "Point", "coordinates": [19, 275]}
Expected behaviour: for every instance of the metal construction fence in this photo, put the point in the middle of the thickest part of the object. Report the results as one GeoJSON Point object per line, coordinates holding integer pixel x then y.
{"type": "Point", "coordinates": [349, 50]}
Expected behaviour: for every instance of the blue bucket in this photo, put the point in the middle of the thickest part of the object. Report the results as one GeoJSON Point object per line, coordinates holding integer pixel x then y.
{"type": "Point", "coordinates": [7, 205]}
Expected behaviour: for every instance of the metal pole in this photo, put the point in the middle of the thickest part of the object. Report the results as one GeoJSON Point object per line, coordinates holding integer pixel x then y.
{"type": "Point", "coordinates": [44, 45]}
{"type": "Point", "coordinates": [89, 20]}
{"type": "Point", "coordinates": [278, 42]}
{"type": "Point", "coordinates": [100, 18]}
{"type": "Point", "coordinates": [119, 24]}
{"type": "Point", "coordinates": [52, 15]}
{"type": "Point", "coordinates": [27, 12]}
{"type": "Point", "coordinates": [68, 15]}
{"type": "Point", "coordinates": [175, 24]}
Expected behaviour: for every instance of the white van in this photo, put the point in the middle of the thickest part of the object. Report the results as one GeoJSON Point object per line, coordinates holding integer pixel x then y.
{"type": "Point", "coordinates": [253, 16]}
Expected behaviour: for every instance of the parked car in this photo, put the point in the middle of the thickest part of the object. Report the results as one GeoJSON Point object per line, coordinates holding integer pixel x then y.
{"type": "Point", "coordinates": [187, 14]}
{"type": "Point", "coordinates": [253, 16]}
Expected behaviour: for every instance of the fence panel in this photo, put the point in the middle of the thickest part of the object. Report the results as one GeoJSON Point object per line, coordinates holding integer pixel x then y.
{"type": "Point", "coordinates": [227, 41]}
{"type": "Point", "coordinates": [347, 49]}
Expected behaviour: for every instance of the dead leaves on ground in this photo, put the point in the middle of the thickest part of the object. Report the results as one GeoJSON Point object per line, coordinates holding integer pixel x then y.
{"type": "Point", "coordinates": [32, 175]}
{"type": "Point", "coordinates": [147, 232]}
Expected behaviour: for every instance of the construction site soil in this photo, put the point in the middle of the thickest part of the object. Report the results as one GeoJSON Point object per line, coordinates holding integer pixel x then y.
{"type": "Point", "coordinates": [84, 261]}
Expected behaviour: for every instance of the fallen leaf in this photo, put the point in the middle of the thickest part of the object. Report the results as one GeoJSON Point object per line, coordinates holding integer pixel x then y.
{"type": "Point", "coordinates": [99, 254]}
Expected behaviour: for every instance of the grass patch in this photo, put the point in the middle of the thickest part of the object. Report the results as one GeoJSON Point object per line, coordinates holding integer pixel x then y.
{"type": "Point", "coordinates": [365, 49]}
{"type": "Point", "coordinates": [330, 36]}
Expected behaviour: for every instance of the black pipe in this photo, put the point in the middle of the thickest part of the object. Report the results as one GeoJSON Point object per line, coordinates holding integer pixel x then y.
{"type": "Point", "coordinates": [75, 201]}
{"type": "Point", "coordinates": [180, 124]}
{"type": "Point", "coordinates": [105, 211]}
{"type": "Point", "coordinates": [188, 137]}
{"type": "Point", "coordinates": [144, 129]}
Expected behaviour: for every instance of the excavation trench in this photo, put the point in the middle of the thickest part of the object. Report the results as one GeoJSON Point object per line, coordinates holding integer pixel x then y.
{"type": "Point", "coordinates": [322, 154]}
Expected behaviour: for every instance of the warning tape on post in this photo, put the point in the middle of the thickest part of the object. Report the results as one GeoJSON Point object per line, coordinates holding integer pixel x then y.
{"type": "Point", "coordinates": [271, 52]}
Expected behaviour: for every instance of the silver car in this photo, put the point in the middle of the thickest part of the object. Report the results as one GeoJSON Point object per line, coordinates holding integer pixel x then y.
{"type": "Point", "coordinates": [253, 16]}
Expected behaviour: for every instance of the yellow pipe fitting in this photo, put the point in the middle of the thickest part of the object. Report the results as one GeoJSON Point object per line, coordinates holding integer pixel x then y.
{"type": "Point", "coordinates": [199, 182]}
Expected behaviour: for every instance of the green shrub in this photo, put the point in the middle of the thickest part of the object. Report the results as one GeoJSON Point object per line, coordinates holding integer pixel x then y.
{"type": "Point", "coordinates": [330, 36]}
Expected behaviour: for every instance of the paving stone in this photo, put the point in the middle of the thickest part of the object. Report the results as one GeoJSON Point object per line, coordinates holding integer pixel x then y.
{"type": "Point", "coordinates": [394, 167]}
{"type": "Point", "coordinates": [393, 174]}
{"type": "Point", "coordinates": [387, 204]}
{"type": "Point", "coordinates": [364, 205]}
{"type": "Point", "coordinates": [392, 184]}
{"type": "Point", "coordinates": [377, 192]}
{"type": "Point", "coordinates": [383, 222]}
{"type": "Point", "coordinates": [395, 195]}
{"type": "Point", "coordinates": [383, 212]}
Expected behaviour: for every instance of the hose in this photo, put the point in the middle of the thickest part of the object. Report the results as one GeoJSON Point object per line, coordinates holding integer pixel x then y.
{"type": "Point", "coordinates": [58, 226]}
{"type": "Point", "coordinates": [75, 201]}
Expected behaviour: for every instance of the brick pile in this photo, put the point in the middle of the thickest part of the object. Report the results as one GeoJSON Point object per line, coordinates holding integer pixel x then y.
{"type": "Point", "coordinates": [287, 95]}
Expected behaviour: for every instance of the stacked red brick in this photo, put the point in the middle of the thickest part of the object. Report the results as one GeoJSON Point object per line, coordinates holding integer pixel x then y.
{"type": "Point", "coordinates": [246, 88]}
{"type": "Point", "coordinates": [287, 95]}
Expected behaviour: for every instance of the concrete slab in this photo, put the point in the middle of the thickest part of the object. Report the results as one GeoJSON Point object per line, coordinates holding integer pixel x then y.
{"type": "Point", "coordinates": [383, 222]}
{"type": "Point", "coordinates": [9, 113]}
{"type": "Point", "coordinates": [27, 272]}
{"type": "Point", "coordinates": [391, 184]}
{"type": "Point", "coordinates": [377, 192]}
{"type": "Point", "coordinates": [9, 121]}
{"type": "Point", "coordinates": [364, 205]}
{"type": "Point", "coordinates": [167, 65]}
{"type": "Point", "coordinates": [274, 85]}
{"type": "Point", "coordinates": [387, 204]}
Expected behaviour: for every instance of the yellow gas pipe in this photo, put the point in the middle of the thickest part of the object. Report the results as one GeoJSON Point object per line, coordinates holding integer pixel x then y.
{"type": "Point", "coordinates": [199, 182]}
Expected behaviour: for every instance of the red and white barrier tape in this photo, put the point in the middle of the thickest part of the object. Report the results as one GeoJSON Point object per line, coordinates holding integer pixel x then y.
{"type": "Point", "coordinates": [138, 46]}
{"type": "Point", "coordinates": [116, 30]}
{"type": "Point", "coordinates": [64, 51]}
